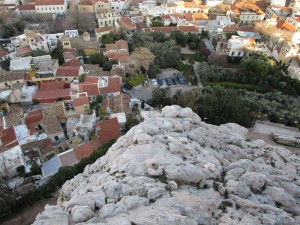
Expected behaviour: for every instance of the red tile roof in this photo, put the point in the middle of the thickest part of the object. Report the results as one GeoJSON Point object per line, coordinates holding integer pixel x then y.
{"type": "Point", "coordinates": [84, 150]}
{"type": "Point", "coordinates": [113, 85]}
{"type": "Point", "coordinates": [26, 7]}
{"type": "Point", "coordinates": [34, 116]}
{"type": "Point", "coordinates": [21, 51]}
{"type": "Point", "coordinates": [51, 96]}
{"type": "Point", "coordinates": [69, 69]}
{"type": "Point", "coordinates": [68, 158]}
{"type": "Point", "coordinates": [54, 85]}
{"type": "Point", "coordinates": [91, 79]}
{"type": "Point", "coordinates": [187, 29]}
{"type": "Point", "coordinates": [284, 25]}
{"type": "Point", "coordinates": [108, 130]}
{"type": "Point", "coordinates": [91, 89]}
{"type": "Point", "coordinates": [104, 29]}
{"type": "Point", "coordinates": [49, 2]}
{"type": "Point", "coordinates": [127, 23]}
{"type": "Point", "coordinates": [9, 138]}
{"type": "Point", "coordinates": [119, 56]}
{"type": "Point", "coordinates": [81, 101]}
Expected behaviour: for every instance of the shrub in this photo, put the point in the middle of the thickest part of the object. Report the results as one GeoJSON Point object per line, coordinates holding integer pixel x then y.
{"type": "Point", "coordinates": [136, 79]}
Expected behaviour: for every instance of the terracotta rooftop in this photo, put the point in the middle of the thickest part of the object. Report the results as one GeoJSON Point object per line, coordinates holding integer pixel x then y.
{"type": "Point", "coordinates": [68, 158]}
{"type": "Point", "coordinates": [119, 56]}
{"type": "Point", "coordinates": [54, 85]}
{"type": "Point", "coordinates": [90, 89]}
{"type": "Point", "coordinates": [44, 146]}
{"type": "Point", "coordinates": [187, 29]}
{"type": "Point", "coordinates": [49, 2]}
{"type": "Point", "coordinates": [81, 101]}
{"type": "Point", "coordinates": [50, 96]}
{"type": "Point", "coordinates": [199, 16]}
{"type": "Point", "coordinates": [108, 130]}
{"type": "Point", "coordinates": [284, 25]}
{"type": "Point", "coordinates": [21, 51]}
{"type": "Point", "coordinates": [9, 138]}
{"type": "Point", "coordinates": [69, 69]}
{"type": "Point", "coordinates": [26, 7]}
{"type": "Point", "coordinates": [91, 79]}
{"type": "Point", "coordinates": [34, 116]}
{"type": "Point", "coordinates": [84, 150]}
{"type": "Point", "coordinates": [104, 29]}
{"type": "Point", "coordinates": [118, 45]}
{"type": "Point", "coordinates": [127, 23]}
{"type": "Point", "coordinates": [243, 5]}
{"type": "Point", "coordinates": [113, 85]}
{"type": "Point", "coordinates": [54, 110]}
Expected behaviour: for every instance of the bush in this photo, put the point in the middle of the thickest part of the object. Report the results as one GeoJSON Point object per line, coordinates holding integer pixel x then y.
{"type": "Point", "coordinates": [136, 79]}
{"type": "Point", "coordinates": [248, 87]}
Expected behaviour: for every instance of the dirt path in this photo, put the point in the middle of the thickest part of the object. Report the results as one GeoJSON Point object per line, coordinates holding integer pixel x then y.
{"type": "Point", "coordinates": [27, 215]}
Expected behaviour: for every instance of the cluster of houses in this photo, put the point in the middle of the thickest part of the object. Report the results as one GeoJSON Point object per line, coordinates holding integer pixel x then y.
{"type": "Point", "coordinates": [61, 129]}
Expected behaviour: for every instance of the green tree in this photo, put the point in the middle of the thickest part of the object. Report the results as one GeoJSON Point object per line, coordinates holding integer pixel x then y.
{"type": "Point", "coordinates": [108, 38]}
{"type": "Point", "coordinates": [58, 53]}
{"type": "Point", "coordinates": [108, 65]}
{"type": "Point", "coordinates": [179, 37]}
{"type": "Point", "coordinates": [38, 53]}
{"type": "Point", "coordinates": [5, 64]}
{"type": "Point", "coordinates": [98, 58]}
{"type": "Point", "coordinates": [204, 34]}
{"type": "Point", "coordinates": [160, 97]}
{"type": "Point", "coordinates": [255, 69]}
{"type": "Point", "coordinates": [224, 106]}
{"type": "Point", "coordinates": [131, 121]}
{"type": "Point", "coordinates": [81, 77]}
{"type": "Point", "coordinates": [8, 200]}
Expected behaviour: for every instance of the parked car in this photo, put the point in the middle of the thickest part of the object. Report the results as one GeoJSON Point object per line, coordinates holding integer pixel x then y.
{"type": "Point", "coordinates": [128, 86]}
{"type": "Point", "coordinates": [154, 82]}
{"type": "Point", "coordinates": [180, 79]}
{"type": "Point", "coordinates": [160, 82]}
{"type": "Point", "coordinates": [169, 81]}
{"type": "Point", "coordinates": [175, 81]}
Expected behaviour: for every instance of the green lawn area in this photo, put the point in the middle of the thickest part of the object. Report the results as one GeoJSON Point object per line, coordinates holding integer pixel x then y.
{"type": "Point", "coordinates": [249, 87]}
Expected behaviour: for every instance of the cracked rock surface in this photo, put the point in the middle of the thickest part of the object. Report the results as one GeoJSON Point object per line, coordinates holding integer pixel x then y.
{"type": "Point", "coordinates": [175, 169]}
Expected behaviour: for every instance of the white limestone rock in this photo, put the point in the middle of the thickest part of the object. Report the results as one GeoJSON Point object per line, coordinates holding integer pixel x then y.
{"type": "Point", "coordinates": [175, 169]}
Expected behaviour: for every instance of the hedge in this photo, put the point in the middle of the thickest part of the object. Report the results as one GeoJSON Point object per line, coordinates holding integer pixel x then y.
{"type": "Point", "coordinates": [248, 87]}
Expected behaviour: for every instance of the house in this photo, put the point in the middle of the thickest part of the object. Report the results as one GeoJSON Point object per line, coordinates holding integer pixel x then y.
{"type": "Point", "coordinates": [53, 129]}
{"type": "Point", "coordinates": [110, 86]}
{"type": "Point", "coordinates": [51, 91]}
{"type": "Point", "coordinates": [127, 23]}
{"type": "Point", "coordinates": [137, 17]}
{"type": "Point", "coordinates": [278, 12]}
{"type": "Point", "coordinates": [21, 92]}
{"type": "Point", "coordinates": [117, 104]}
{"type": "Point", "coordinates": [294, 21]}
{"type": "Point", "coordinates": [107, 130]}
{"type": "Point", "coordinates": [26, 9]}
{"type": "Point", "coordinates": [81, 104]}
{"type": "Point", "coordinates": [85, 6]}
{"type": "Point", "coordinates": [121, 116]}
{"type": "Point", "coordinates": [289, 51]}
{"type": "Point", "coordinates": [85, 125]}
{"type": "Point", "coordinates": [107, 17]}
{"type": "Point", "coordinates": [68, 158]}
{"type": "Point", "coordinates": [294, 68]}
{"type": "Point", "coordinates": [101, 4]}
{"type": "Point", "coordinates": [36, 41]}
{"type": "Point", "coordinates": [8, 78]}
{"type": "Point", "coordinates": [10, 160]}
{"type": "Point", "coordinates": [71, 33]}
{"type": "Point", "coordinates": [38, 151]}
{"type": "Point", "coordinates": [21, 63]}
{"type": "Point", "coordinates": [44, 70]}
{"type": "Point", "coordinates": [102, 31]}
{"type": "Point", "coordinates": [118, 51]}
{"type": "Point", "coordinates": [23, 51]}
{"type": "Point", "coordinates": [236, 46]}
{"type": "Point", "coordinates": [249, 13]}
{"type": "Point", "coordinates": [57, 7]}
{"type": "Point", "coordinates": [69, 71]}
{"type": "Point", "coordinates": [189, 29]}
{"type": "Point", "coordinates": [12, 114]}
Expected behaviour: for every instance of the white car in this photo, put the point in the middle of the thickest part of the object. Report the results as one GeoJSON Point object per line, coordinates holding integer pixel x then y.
{"type": "Point", "coordinates": [154, 82]}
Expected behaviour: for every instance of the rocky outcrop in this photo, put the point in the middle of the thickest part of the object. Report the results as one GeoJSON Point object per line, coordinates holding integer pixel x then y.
{"type": "Point", "coordinates": [175, 169]}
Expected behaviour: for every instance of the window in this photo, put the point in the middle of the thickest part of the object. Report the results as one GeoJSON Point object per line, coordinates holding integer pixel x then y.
{"type": "Point", "coordinates": [61, 7]}
{"type": "Point", "coordinates": [18, 82]}
{"type": "Point", "coordinates": [45, 8]}
{"type": "Point", "coordinates": [66, 79]}
{"type": "Point", "coordinates": [40, 127]}
{"type": "Point", "coordinates": [57, 7]}
{"type": "Point", "coordinates": [5, 84]}
{"type": "Point", "coordinates": [56, 138]}
{"type": "Point", "coordinates": [42, 47]}
{"type": "Point", "coordinates": [239, 53]}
